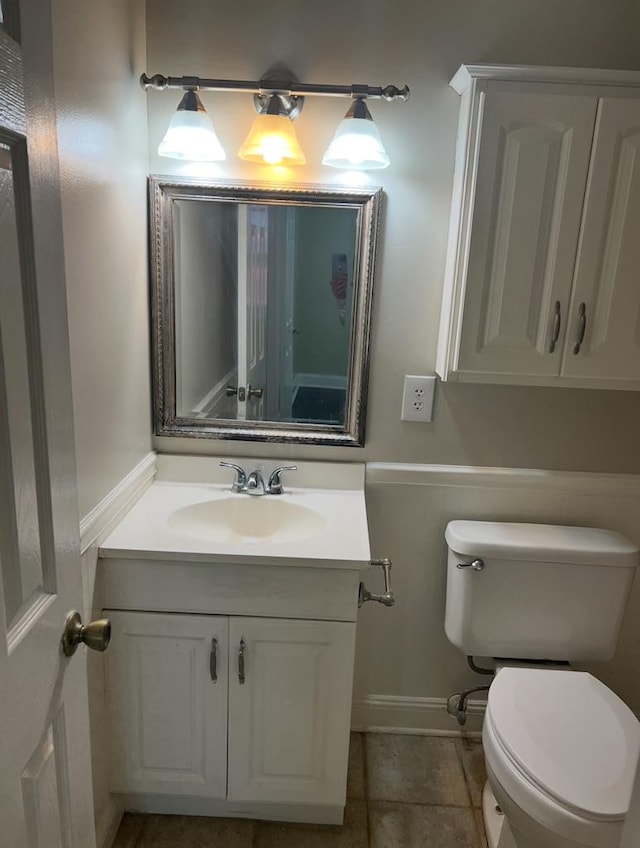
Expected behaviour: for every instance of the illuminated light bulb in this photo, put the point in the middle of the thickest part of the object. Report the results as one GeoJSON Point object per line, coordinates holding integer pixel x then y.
{"type": "Point", "coordinates": [356, 144]}
{"type": "Point", "coordinates": [190, 135]}
{"type": "Point", "coordinates": [272, 139]}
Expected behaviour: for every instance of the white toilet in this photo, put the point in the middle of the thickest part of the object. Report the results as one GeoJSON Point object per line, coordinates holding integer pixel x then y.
{"type": "Point", "coordinates": [561, 749]}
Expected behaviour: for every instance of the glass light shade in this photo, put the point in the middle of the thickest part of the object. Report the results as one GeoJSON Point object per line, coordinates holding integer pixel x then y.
{"type": "Point", "coordinates": [191, 136]}
{"type": "Point", "coordinates": [272, 140]}
{"type": "Point", "coordinates": [356, 146]}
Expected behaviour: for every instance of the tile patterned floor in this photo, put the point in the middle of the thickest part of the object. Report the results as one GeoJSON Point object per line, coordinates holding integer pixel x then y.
{"type": "Point", "coordinates": [402, 792]}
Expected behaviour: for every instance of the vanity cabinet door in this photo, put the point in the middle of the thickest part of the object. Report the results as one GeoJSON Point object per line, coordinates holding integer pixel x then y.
{"type": "Point", "coordinates": [167, 679]}
{"type": "Point", "coordinates": [290, 686]}
{"type": "Point", "coordinates": [607, 283]}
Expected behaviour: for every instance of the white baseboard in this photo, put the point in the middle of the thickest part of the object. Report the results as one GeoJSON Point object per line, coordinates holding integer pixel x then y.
{"type": "Point", "coordinates": [319, 381]}
{"type": "Point", "coordinates": [98, 523]}
{"type": "Point", "coordinates": [420, 716]}
{"type": "Point", "coordinates": [214, 395]}
{"type": "Point", "coordinates": [107, 828]}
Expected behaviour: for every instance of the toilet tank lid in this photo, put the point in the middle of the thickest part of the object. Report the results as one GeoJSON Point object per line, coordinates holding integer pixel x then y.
{"type": "Point", "coordinates": [541, 543]}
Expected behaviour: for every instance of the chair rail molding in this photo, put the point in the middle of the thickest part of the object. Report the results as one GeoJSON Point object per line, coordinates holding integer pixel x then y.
{"type": "Point", "coordinates": [97, 523]}
{"type": "Point", "coordinates": [581, 482]}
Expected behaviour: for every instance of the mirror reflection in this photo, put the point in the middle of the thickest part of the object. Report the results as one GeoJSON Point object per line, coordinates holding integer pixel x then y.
{"type": "Point", "coordinates": [262, 309]}
{"type": "Point", "coordinates": [262, 302]}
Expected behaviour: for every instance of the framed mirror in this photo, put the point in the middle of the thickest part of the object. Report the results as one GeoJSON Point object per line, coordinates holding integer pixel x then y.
{"type": "Point", "coordinates": [261, 310]}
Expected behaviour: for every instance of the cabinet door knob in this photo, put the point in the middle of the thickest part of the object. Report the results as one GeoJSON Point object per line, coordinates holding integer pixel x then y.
{"type": "Point", "coordinates": [582, 328]}
{"type": "Point", "coordinates": [213, 660]}
{"type": "Point", "coordinates": [241, 651]}
{"type": "Point", "coordinates": [557, 323]}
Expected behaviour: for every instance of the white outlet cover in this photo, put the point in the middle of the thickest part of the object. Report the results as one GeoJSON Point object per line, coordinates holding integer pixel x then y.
{"type": "Point", "coordinates": [417, 398]}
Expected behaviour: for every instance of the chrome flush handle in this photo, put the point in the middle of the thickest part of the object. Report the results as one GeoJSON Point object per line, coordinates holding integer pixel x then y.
{"type": "Point", "coordinates": [476, 565]}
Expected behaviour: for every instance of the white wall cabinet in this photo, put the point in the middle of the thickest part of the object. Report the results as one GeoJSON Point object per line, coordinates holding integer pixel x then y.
{"type": "Point", "coordinates": [284, 733]}
{"type": "Point", "coordinates": [541, 280]}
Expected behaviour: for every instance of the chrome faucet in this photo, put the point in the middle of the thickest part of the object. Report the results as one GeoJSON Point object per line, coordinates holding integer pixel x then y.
{"type": "Point", "coordinates": [240, 480]}
{"type": "Point", "coordinates": [253, 483]}
{"type": "Point", "coordinates": [274, 486]}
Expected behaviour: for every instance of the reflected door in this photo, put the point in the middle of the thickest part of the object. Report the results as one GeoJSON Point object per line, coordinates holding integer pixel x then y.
{"type": "Point", "coordinates": [280, 313]}
{"type": "Point", "coordinates": [45, 777]}
{"type": "Point", "coordinates": [253, 269]}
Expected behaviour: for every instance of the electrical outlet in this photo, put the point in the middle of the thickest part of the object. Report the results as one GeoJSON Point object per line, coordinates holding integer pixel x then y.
{"type": "Point", "coordinates": [417, 398]}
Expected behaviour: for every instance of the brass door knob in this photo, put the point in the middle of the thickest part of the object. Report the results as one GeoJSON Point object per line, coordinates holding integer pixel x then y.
{"type": "Point", "coordinates": [96, 635]}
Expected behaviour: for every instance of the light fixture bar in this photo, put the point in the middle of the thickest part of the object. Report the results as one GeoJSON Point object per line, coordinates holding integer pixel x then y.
{"type": "Point", "coordinates": [268, 87]}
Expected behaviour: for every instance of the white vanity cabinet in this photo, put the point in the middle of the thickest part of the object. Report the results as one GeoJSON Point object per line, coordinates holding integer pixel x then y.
{"type": "Point", "coordinates": [189, 694]}
{"type": "Point", "coordinates": [541, 281]}
{"type": "Point", "coordinates": [230, 669]}
{"type": "Point", "coordinates": [229, 686]}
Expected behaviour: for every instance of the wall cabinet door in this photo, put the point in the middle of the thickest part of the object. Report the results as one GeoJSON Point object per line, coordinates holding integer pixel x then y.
{"type": "Point", "coordinates": [289, 710]}
{"type": "Point", "coordinates": [607, 281]}
{"type": "Point", "coordinates": [167, 679]}
{"type": "Point", "coordinates": [530, 174]}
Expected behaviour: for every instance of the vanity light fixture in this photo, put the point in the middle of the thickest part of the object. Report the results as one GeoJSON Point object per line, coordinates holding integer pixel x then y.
{"type": "Point", "coordinates": [190, 134]}
{"type": "Point", "coordinates": [357, 144]}
{"type": "Point", "coordinates": [272, 139]}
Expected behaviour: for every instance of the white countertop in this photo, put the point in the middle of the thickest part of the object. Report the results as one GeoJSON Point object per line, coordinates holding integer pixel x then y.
{"type": "Point", "coordinates": [334, 520]}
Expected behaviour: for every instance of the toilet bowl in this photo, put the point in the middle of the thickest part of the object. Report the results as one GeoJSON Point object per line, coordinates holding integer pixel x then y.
{"type": "Point", "coordinates": [561, 751]}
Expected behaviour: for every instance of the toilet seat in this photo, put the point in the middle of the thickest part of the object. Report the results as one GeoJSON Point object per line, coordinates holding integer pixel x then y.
{"type": "Point", "coordinates": [570, 735]}
{"type": "Point", "coordinates": [565, 748]}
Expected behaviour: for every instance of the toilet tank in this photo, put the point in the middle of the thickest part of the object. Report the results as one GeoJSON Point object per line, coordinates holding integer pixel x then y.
{"type": "Point", "coordinates": [543, 591]}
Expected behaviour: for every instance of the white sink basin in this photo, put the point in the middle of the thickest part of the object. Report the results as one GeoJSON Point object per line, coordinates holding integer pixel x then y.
{"type": "Point", "coordinates": [245, 519]}
{"type": "Point", "coordinates": [189, 513]}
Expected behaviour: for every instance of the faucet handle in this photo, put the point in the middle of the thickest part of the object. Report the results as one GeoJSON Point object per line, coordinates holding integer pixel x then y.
{"type": "Point", "coordinates": [274, 486]}
{"type": "Point", "coordinates": [240, 480]}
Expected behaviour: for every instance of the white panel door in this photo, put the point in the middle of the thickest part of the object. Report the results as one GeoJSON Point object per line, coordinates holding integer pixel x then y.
{"type": "Point", "coordinates": [45, 773]}
{"type": "Point", "coordinates": [289, 710]}
{"type": "Point", "coordinates": [167, 691]}
{"type": "Point", "coordinates": [253, 269]}
{"type": "Point", "coordinates": [531, 176]}
{"type": "Point", "coordinates": [605, 307]}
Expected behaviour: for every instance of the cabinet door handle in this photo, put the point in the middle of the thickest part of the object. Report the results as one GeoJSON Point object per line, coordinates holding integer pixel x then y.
{"type": "Point", "coordinates": [582, 327]}
{"type": "Point", "coordinates": [241, 650]}
{"type": "Point", "coordinates": [557, 323]}
{"type": "Point", "coordinates": [213, 660]}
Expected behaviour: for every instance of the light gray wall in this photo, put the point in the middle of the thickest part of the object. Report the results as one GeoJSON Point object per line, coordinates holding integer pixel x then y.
{"type": "Point", "coordinates": [403, 653]}
{"type": "Point", "coordinates": [99, 51]}
{"type": "Point", "coordinates": [206, 294]}
{"type": "Point", "coordinates": [422, 44]}
{"type": "Point", "coordinates": [322, 346]}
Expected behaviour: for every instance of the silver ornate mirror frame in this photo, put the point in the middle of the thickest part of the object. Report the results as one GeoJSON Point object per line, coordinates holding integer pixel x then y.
{"type": "Point", "coordinates": [164, 192]}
